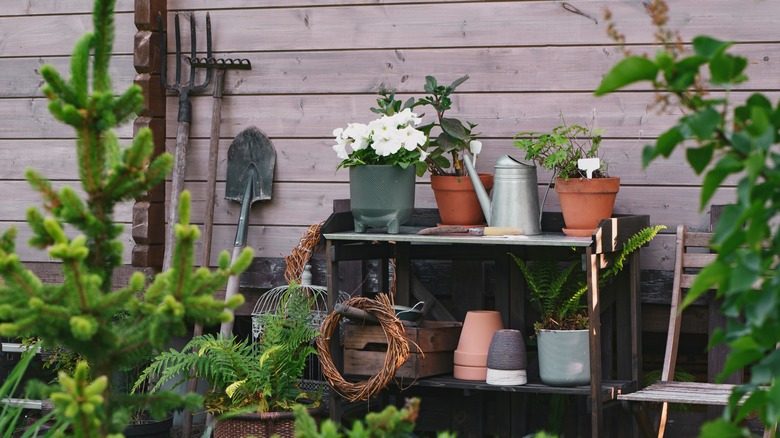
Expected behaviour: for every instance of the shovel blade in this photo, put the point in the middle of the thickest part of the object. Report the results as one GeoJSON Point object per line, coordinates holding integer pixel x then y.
{"type": "Point", "coordinates": [250, 154]}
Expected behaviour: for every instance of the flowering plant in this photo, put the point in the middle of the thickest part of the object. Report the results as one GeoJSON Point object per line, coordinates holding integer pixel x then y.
{"type": "Point", "coordinates": [391, 140]}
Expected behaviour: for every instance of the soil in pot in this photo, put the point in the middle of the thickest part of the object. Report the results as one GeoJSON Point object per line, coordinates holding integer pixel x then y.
{"type": "Point", "coordinates": [456, 199]}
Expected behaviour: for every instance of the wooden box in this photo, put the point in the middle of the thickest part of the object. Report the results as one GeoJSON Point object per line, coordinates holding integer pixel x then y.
{"type": "Point", "coordinates": [431, 349]}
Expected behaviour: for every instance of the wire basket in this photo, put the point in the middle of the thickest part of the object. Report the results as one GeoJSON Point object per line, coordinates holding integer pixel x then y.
{"type": "Point", "coordinates": [313, 381]}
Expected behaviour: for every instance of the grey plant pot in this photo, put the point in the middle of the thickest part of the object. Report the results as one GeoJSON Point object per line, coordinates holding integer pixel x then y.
{"type": "Point", "coordinates": [381, 196]}
{"type": "Point", "coordinates": [564, 357]}
{"type": "Point", "coordinates": [506, 359]}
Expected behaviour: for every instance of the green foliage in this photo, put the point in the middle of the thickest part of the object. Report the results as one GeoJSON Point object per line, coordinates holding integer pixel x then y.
{"type": "Point", "coordinates": [557, 286]}
{"type": "Point", "coordinates": [724, 140]}
{"type": "Point", "coordinates": [80, 314]}
{"type": "Point", "coordinates": [389, 423]}
{"type": "Point", "coordinates": [454, 138]}
{"type": "Point", "coordinates": [560, 149]}
{"type": "Point", "coordinates": [244, 376]}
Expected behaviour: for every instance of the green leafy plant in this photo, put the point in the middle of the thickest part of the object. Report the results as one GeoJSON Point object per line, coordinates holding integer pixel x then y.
{"type": "Point", "coordinates": [445, 151]}
{"type": "Point", "coordinates": [79, 314]}
{"type": "Point", "coordinates": [389, 423]}
{"type": "Point", "coordinates": [243, 376]}
{"type": "Point", "coordinates": [557, 286]}
{"type": "Point", "coordinates": [560, 149]}
{"type": "Point", "coordinates": [721, 140]}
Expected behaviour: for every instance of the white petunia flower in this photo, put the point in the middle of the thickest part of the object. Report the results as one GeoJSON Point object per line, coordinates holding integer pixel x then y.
{"type": "Point", "coordinates": [341, 148]}
{"type": "Point", "coordinates": [388, 143]}
{"type": "Point", "coordinates": [412, 138]}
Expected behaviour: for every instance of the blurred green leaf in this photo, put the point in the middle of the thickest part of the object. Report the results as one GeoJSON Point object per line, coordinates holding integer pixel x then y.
{"type": "Point", "coordinates": [626, 72]}
{"type": "Point", "coordinates": [700, 157]}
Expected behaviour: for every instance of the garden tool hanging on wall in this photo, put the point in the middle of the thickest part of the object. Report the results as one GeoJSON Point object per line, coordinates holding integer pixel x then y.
{"type": "Point", "coordinates": [184, 118]}
{"type": "Point", "coordinates": [220, 66]}
{"type": "Point", "coordinates": [250, 173]}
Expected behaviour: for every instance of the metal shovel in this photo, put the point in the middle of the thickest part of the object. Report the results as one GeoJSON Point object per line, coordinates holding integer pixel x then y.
{"type": "Point", "coordinates": [250, 173]}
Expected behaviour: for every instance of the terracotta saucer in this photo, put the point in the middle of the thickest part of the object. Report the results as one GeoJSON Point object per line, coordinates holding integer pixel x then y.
{"type": "Point", "coordinates": [572, 232]}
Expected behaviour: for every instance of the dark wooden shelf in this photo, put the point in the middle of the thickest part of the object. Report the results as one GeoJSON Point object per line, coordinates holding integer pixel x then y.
{"type": "Point", "coordinates": [610, 389]}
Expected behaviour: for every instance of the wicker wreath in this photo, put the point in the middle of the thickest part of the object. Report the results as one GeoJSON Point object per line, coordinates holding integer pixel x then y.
{"type": "Point", "coordinates": [397, 349]}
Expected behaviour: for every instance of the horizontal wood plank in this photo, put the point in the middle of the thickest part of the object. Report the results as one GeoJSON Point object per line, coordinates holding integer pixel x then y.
{"type": "Point", "coordinates": [519, 23]}
{"type": "Point", "coordinates": [14, 207]}
{"type": "Point", "coordinates": [499, 115]}
{"type": "Point", "coordinates": [30, 118]}
{"type": "Point", "coordinates": [22, 76]}
{"type": "Point", "coordinates": [55, 35]}
{"type": "Point", "coordinates": [189, 5]}
{"type": "Point", "coordinates": [50, 7]}
{"type": "Point", "coordinates": [490, 69]}
{"type": "Point", "coordinates": [313, 160]}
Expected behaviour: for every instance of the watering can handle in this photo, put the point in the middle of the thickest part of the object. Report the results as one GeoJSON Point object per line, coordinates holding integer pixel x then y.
{"type": "Point", "coordinates": [482, 194]}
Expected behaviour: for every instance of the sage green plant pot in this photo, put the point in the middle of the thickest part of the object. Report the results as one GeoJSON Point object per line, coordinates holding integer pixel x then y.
{"type": "Point", "coordinates": [564, 357]}
{"type": "Point", "coordinates": [381, 196]}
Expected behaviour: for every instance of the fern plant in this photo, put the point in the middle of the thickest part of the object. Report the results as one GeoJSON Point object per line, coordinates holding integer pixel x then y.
{"type": "Point", "coordinates": [243, 376]}
{"type": "Point", "coordinates": [557, 286]}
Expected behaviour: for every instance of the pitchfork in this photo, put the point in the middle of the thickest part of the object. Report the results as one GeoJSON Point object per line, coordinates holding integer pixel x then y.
{"type": "Point", "coordinates": [184, 117]}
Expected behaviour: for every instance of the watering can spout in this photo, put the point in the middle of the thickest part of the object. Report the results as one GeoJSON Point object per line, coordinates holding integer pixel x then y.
{"type": "Point", "coordinates": [482, 194]}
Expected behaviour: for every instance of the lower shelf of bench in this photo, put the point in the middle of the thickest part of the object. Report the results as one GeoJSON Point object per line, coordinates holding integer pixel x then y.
{"type": "Point", "coordinates": [610, 389]}
{"type": "Point", "coordinates": [696, 393]}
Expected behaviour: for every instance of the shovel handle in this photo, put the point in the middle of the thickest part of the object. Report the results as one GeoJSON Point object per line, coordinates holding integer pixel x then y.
{"type": "Point", "coordinates": [226, 329]}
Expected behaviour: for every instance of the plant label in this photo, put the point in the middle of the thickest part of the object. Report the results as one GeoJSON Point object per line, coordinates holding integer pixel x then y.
{"type": "Point", "coordinates": [589, 165]}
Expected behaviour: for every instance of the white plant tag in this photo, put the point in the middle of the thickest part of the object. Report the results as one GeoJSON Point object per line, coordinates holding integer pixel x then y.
{"type": "Point", "coordinates": [589, 165]}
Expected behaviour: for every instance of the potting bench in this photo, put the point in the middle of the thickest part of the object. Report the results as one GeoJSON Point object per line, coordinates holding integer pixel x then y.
{"type": "Point", "coordinates": [343, 245]}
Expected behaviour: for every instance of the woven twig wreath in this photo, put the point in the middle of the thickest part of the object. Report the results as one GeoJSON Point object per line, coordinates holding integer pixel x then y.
{"type": "Point", "coordinates": [397, 349]}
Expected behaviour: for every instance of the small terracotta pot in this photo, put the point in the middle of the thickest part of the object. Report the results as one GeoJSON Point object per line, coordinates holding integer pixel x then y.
{"type": "Point", "coordinates": [585, 202]}
{"type": "Point", "coordinates": [478, 329]}
{"type": "Point", "coordinates": [456, 199]}
{"type": "Point", "coordinates": [461, 372]}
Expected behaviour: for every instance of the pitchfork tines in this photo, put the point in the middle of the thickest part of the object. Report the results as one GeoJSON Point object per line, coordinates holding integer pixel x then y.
{"type": "Point", "coordinates": [184, 89]}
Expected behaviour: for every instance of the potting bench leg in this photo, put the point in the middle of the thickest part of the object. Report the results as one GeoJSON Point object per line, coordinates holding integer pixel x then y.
{"type": "Point", "coordinates": [594, 321]}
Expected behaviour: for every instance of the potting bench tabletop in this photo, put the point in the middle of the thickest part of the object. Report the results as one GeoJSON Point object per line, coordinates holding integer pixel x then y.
{"type": "Point", "coordinates": [343, 244]}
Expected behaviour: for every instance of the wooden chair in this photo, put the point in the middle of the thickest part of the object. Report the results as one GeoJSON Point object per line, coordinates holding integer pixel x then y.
{"type": "Point", "coordinates": [691, 255]}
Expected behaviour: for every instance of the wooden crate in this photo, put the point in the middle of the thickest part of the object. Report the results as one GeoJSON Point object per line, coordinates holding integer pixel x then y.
{"type": "Point", "coordinates": [431, 349]}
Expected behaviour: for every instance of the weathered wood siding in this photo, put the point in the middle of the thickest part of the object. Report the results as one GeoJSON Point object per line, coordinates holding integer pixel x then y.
{"type": "Point", "coordinates": [34, 33]}
{"type": "Point", "coordinates": [317, 65]}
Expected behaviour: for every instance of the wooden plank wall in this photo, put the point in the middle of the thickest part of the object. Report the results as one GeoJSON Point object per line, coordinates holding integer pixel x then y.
{"type": "Point", "coordinates": [317, 65]}
{"type": "Point", "coordinates": [33, 33]}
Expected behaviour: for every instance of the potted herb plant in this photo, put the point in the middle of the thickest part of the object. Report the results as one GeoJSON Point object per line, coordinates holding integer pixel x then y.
{"type": "Point", "coordinates": [252, 386]}
{"type": "Point", "coordinates": [382, 157]}
{"type": "Point", "coordinates": [455, 195]}
{"type": "Point", "coordinates": [556, 288]}
{"type": "Point", "coordinates": [587, 194]}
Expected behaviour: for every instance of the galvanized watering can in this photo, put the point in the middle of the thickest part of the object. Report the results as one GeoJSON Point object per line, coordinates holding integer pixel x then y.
{"type": "Point", "coordinates": [515, 195]}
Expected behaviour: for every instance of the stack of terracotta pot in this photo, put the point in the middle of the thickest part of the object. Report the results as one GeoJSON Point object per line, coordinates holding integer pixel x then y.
{"type": "Point", "coordinates": [471, 355]}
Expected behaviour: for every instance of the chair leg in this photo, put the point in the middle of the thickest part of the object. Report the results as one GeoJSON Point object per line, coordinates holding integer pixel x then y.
{"type": "Point", "coordinates": [662, 419]}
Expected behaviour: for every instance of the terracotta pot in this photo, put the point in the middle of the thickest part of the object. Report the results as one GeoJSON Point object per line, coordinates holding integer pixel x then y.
{"type": "Point", "coordinates": [471, 354]}
{"type": "Point", "coordinates": [585, 202]}
{"type": "Point", "coordinates": [461, 372]}
{"type": "Point", "coordinates": [457, 200]}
